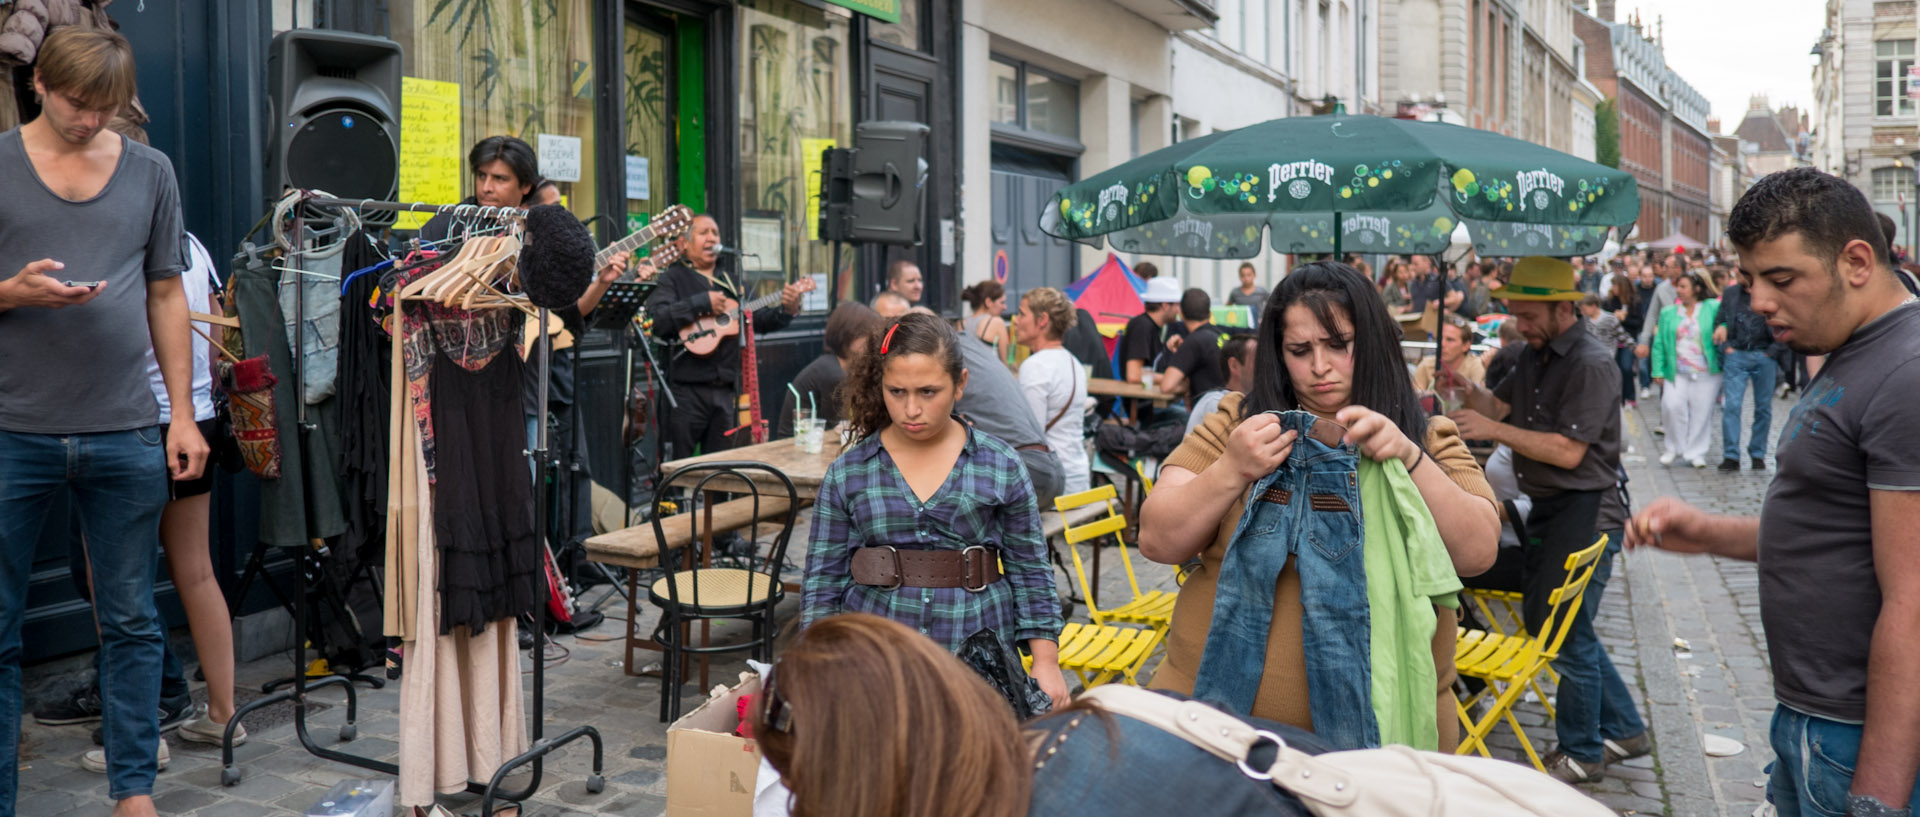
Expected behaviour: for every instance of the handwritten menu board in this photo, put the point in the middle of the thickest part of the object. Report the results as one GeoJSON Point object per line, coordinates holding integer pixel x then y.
{"type": "Point", "coordinates": [810, 150]}
{"type": "Point", "coordinates": [429, 146]}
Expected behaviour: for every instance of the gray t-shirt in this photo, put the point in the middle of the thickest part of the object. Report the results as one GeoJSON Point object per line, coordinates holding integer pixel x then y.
{"type": "Point", "coordinates": [83, 369]}
{"type": "Point", "coordinates": [1850, 434]}
{"type": "Point", "coordinates": [1256, 300]}
{"type": "Point", "coordinates": [993, 399]}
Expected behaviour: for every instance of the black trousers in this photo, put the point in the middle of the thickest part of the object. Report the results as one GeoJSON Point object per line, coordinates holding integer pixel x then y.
{"type": "Point", "coordinates": [705, 414]}
{"type": "Point", "coordinates": [1558, 525]}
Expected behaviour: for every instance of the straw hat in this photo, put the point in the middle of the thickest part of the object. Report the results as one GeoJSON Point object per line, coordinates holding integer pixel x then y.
{"type": "Point", "coordinates": [1539, 278]}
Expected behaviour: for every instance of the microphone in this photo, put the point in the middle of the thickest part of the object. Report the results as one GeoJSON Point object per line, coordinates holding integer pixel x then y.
{"type": "Point", "coordinates": [722, 249]}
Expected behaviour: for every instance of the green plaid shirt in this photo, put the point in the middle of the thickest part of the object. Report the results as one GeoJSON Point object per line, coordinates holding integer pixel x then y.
{"type": "Point", "coordinates": [987, 500]}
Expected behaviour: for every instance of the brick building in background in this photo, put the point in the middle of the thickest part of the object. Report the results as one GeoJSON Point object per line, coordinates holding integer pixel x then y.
{"type": "Point", "coordinates": [1664, 139]}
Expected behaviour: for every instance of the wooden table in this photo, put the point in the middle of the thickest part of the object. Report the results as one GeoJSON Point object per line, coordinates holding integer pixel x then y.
{"type": "Point", "coordinates": [1105, 387]}
{"type": "Point", "coordinates": [806, 470]}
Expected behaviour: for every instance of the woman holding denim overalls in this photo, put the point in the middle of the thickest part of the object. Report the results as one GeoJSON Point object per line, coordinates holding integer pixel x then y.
{"type": "Point", "coordinates": [1328, 348]}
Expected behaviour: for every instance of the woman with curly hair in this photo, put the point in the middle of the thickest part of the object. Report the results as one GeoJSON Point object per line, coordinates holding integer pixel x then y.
{"type": "Point", "coordinates": [915, 520]}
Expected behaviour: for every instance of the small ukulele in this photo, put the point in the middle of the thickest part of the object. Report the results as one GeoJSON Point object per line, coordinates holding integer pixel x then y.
{"type": "Point", "coordinates": [704, 335]}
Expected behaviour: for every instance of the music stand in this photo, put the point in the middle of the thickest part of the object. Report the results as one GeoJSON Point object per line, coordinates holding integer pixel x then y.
{"type": "Point", "coordinates": [621, 302]}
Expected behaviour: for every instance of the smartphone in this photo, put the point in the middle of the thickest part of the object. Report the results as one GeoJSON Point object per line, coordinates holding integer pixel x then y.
{"type": "Point", "coordinates": [87, 284]}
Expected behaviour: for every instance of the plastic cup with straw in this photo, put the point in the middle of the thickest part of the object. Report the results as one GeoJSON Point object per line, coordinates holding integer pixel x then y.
{"type": "Point", "coordinates": [800, 421]}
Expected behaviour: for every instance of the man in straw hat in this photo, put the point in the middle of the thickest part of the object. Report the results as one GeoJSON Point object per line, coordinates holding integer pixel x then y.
{"type": "Point", "coordinates": [1559, 411]}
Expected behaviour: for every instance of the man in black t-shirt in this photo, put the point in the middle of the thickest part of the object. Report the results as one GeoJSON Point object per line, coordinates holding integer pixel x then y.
{"type": "Point", "coordinates": [1194, 368]}
{"type": "Point", "coordinates": [1143, 345]}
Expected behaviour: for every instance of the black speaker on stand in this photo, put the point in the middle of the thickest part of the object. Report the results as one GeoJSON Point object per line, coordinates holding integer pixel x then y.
{"type": "Point", "coordinates": [336, 115]}
{"type": "Point", "coordinates": [875, 191]}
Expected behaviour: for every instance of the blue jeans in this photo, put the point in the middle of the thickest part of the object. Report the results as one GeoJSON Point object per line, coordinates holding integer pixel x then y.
{"type": "Point", "coordinates": [1813, 765]}
{"type": "Point", "coordinates": [1306, 510]}
{"type": "Point", "coordinates": [118, 484]}
{"type": "Point", "coordinates": [1740, 367]}
{"type": "Point", "coordinates": [1593, 702]}
{"type": "Point", "coordinates": [1623, 357]}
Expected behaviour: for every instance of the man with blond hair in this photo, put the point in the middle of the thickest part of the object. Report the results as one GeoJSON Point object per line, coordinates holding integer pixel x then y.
{"type": "Point", "coordinates": [92, 224]}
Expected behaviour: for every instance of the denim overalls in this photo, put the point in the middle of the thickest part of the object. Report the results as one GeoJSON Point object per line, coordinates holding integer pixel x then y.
{"type": "Point", "coordinates": [1307, 509]}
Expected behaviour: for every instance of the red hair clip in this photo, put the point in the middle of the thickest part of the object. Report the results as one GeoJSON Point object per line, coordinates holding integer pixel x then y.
{"type": "Point", "coordinates": [888, 340]}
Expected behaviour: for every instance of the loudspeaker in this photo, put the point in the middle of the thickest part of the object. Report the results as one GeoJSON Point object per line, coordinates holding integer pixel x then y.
{"type": "Point", "coordinates": [877, 191]}
{"type": "Point", "coordinates": [836, 194]}
{"type": "Point", "coordinates": [336, 113]}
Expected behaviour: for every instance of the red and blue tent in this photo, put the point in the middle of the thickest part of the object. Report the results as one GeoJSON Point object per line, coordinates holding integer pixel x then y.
{"type": "Point", "coordinates": [1111, 294]}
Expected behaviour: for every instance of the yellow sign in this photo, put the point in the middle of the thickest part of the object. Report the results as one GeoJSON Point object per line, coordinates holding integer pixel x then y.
{"type": "Point", "coordinates": [810, 163]}
{"type": "Point", "coordinates": [429, 146]}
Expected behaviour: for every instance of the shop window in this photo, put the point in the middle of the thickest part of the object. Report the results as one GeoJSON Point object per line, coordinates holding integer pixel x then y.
{"type": "Point", "coordinates": [1890, 182]}
{"type": "Point", "coordinates": [1053, 105]}
{"type": "Point", "coordinates": [523, 69]}
{"type": "Point", "coordinates": [1892, 58]}
{"type": "Point", "coordinates": [647, 57]}
{"type": "Point", "coordinates": [906, 33]}
{"type": "Point", "coordinates": [1005, 79]}
{"type": "Point", "coordinates": [1042, 103]}
{"type": "Point", "coordinates": [794, 103]}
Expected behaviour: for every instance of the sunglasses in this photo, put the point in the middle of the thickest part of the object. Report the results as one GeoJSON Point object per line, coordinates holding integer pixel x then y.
{"type": "Point", "coordinates": [778, 713]}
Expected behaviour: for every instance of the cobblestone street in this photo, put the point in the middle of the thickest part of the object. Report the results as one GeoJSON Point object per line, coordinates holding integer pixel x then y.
{"type": "Point", "coordinates": [1713, 681]}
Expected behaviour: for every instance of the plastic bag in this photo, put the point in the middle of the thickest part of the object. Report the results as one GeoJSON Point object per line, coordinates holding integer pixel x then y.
{"type": "Point", "coordinates": [987, 654]}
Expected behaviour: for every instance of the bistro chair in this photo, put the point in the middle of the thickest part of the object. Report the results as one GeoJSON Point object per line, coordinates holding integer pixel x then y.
{"type": "Point", "coordinates": [694, 591]}
{"type": "Point", "coordinates": [1512, 664]}
{"type": "Point", "coordinates": [1153, 608]}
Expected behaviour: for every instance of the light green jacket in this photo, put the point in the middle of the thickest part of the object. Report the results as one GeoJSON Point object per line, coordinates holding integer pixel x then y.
{"type": "Point", "coordinates": [1665, 354]}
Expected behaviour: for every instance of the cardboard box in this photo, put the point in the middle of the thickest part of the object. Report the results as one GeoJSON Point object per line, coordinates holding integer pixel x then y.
{"type": "Point", "coordinates": [710, 771]}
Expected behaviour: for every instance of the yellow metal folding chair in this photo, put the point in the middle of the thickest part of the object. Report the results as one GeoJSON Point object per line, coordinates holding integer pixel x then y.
{"type": "Point", "coordinates": [1118, 642]}
{"type": "Point", "coordinates": [1512, 664]}
{"type": "Point", "coordinates": [1508, 603]}
{"type": "Point", "coordinates": [1153, 608]}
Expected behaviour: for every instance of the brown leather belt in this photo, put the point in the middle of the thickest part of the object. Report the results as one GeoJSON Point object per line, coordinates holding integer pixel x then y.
{"type": "Point", "coordinates": [974, 568]}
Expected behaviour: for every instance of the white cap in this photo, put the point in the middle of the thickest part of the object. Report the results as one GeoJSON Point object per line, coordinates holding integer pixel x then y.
{"type": "Point", "coordinates": [1161, 290]}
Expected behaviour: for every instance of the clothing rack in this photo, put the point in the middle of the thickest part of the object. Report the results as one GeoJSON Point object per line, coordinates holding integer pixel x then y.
{"type": "Point", "coordinates": [540, 746]}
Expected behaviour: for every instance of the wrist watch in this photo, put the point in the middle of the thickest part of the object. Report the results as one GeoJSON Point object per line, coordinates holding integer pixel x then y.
{"type": "Point", "coordinates": [1867, 805]}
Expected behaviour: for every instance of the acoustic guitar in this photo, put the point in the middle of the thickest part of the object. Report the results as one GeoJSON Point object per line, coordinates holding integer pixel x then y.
{"type": "Point", "coordinates": [703, 336]}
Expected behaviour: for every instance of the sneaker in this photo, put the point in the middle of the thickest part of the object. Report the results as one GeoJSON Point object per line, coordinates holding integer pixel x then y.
{"type": "Point", "coordinates": [173, 712]}
{"type": "Point", "coordinates": [1639, 745]}
{"type": "Point", "coordinates": [96, 760]}
{"type": "Point", "coordinates": [1668, 458]}
{"type": "Point", "coordinates": [1572, 772]}
{"type": "Point", "coordinates": [80, 706]}
{"type": "Point", "coordinates": [203, 730]}
{"type": "Point", "coordinates": [1759, 463]}
{"type": "Point", "coordinates": [1645, 392]}
{"type": "Point", "coordinates": [1698, 462]}
{"type": "Point", "coordinates": [1729, 464]}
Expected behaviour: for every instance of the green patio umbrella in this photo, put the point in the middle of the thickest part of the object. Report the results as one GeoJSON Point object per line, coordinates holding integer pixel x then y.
{"type": "Point", "coordinates": [1343, 183]}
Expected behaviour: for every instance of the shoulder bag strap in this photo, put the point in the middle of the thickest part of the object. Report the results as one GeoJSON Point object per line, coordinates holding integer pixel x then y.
{"type": "Point", "coordinates": [1063, 409]}
{"type": "Point", "coordinates": [1231, 739]}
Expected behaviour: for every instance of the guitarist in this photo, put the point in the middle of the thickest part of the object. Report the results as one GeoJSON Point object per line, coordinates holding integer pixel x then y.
{"type": "Point", "coordinates": [706, 387]}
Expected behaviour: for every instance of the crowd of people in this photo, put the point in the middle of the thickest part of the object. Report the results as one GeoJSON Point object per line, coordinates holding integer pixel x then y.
{"type": "Point", "coordinates": [1319, 400]}
{"type": "Point", "coordinates": [1323, 495]}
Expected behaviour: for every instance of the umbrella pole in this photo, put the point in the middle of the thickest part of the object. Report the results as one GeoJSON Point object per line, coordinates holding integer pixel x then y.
{"type": "Point", "coordinates": [1336, 235]}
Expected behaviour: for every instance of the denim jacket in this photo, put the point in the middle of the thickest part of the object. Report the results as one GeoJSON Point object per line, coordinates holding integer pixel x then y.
{"type": "Point", "coordinates": [1307, 509]}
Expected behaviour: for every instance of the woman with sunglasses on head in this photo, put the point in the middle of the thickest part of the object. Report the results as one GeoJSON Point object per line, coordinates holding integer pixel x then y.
{"type": "Point", "coordinates": [1327, 347]}
{"type": "Point", "coordinates": [916, 519]}
{"type": "Point", "coordinates": [862, 717]}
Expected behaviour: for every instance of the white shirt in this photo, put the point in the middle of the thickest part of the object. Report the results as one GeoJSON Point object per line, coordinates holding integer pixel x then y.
{"type": "Point", "coordinates": [197, 281]}
{"type": "Point", "coordinates": [1053, 380]}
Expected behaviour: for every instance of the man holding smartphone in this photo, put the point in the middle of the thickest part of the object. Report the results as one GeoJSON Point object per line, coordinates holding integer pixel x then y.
{"type": "Point", "coordinates": [87, 205]}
